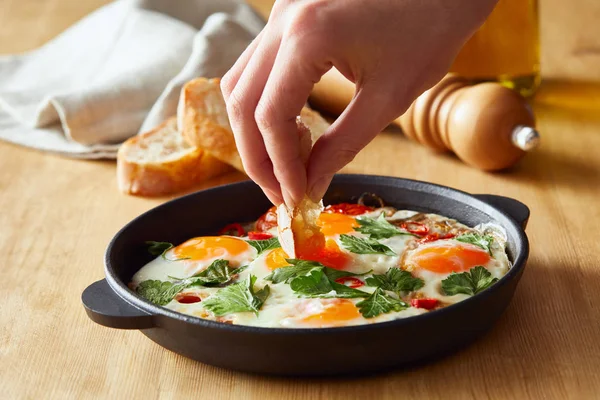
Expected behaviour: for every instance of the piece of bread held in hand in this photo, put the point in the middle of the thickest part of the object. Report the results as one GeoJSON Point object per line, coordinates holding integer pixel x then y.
{"type": "Point", "coordinates": [161, 162]}
{"type": "Point", "coordinates": [203, 121]}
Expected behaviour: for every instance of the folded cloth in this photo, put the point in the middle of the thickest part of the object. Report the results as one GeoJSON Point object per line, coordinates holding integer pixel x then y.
{"type": "Point", "coordinates": [118, 72]}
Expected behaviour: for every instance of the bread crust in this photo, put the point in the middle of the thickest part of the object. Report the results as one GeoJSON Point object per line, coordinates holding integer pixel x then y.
{"type": "Point", "coordinates": [203, 121]}
{"type": "Point", "coordinates": [167, 175]}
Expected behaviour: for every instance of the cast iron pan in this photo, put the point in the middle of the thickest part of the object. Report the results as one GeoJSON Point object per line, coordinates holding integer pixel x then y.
{"type": "Point", "coordinates": [329, 351]}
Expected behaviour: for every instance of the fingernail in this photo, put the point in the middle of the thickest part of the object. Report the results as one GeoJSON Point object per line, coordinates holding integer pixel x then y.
{"type": "Point", "coordinates": [318, 189]}
{"type": "Point", "coordinates": [288, 199]}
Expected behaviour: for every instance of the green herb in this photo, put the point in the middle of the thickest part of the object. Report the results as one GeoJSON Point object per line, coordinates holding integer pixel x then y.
{"type": "Point", "coordinates": [239, 297]}
{"type": "Point", "coordinates": [471, 282]}
{"type": "Point", "coordinates": [485, 242]}
{"type": "Point", "coordinates": [159, 292]}
{"type": "Point", "coordinates": [313, 279]}
{"type": "Point", "coordinates": [217, 273]}
{"type": "Point", "coordinates": [161, 248]}
{"type": "Point", "coordinates": [264, 245]}
{"type": "Point", "coordinates": [379, 303]}
{"type": "Point", "coordinates": [378, 228]}
{"type": "Point", "coordinates": [302, 268]}
{"type": "Point", "coordinates": [396, 280]}
{"type": "Point", "coordinates": [365, 245]}
{"type": "Point", "coordinates": [162, 292]}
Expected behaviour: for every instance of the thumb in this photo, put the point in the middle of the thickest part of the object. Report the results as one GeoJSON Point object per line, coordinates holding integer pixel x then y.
{"type": "Point", "coordinates": [370, 111]}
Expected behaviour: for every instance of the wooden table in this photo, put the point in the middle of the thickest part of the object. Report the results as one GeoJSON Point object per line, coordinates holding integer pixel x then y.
{"type": "Point", "coordinates": [59, 214]}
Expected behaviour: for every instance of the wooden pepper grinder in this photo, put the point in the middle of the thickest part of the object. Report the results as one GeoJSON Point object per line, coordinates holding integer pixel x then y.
{"type": "Point", "coordinates": [486, 125]}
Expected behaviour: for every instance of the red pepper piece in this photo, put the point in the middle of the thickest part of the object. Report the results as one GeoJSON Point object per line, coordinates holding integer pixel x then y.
{"type": "Point", "coordinates": [427, 304]}
{"type": "Point", "coordinates": [432, 237]}
{"type": "Point", "coordinates": [186, 298]}
{"type": "Point", "coordinates": [267, 221]}
{"type": "Point", "coordinates": [348, 209]}
{"type": "Point", "coordinates": [234, 229]}
{"type": "Point", "coordinates": [259, 235]}
{"type": "Point", "coordinates": [350, 281]}
{"type": "Point", "coordinates": [416, 228]}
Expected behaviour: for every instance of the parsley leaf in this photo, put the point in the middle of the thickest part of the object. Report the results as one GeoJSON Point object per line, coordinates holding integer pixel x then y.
{"type": "Point", "coordinates": [313, 279]}
{"type": "Point", "coordinates": [264, 245]}
{"type": "Point", "coordinates": [396, 280]}
{"type": "Point", "coordinates": [239, 297]}
{"type": "Point", "coordinates": [161, 248]}
{"type": "Point", "coordinates": [217, 273]}
{"type": "Point", "coordinates": [159, 292]}
{"type": "Point", "coordinates": [485, 242]}
{"type": "Point", "coordinates": [315, 282]}
{"type": "Point", "coordinates": [378, 228]}
{"type": "Point", "coordinates": [471, 282]}
{"type": "Point", "coordinates": [302, 267]}
{"type": "Point", "coordinates": [379, 303]}
{"type": "Point", "coordinates": [365, 245]}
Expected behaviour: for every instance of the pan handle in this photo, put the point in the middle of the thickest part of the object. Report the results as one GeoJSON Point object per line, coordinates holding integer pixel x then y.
{"type": "Point", "coordinates": [105, 307]}
{"type": "Point", "coordinates": [517, 210]}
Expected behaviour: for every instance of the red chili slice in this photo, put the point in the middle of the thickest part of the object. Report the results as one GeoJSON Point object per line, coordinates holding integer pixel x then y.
{"type": "Point", "coordinates": [432, 237]}
{"type": "Point", "coordinates": [234, 229]}
{"type": "Point", "coordinates": [186, 298]}
{"type": "Point", "coordinates": [427, 304]}
{"type": "Point", "coordinates": [416, 228]}
{"type": "Point", "coordinates": [259, 235]}
{"type": "Point", "coordinates": [267, 221]}
{"type": "Point", "coordinates": [350, 281]}
{"type": "Point", "coordinates": [348, 209]}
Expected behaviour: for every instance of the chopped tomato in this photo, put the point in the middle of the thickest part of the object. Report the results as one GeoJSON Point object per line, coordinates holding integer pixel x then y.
{"type": "Point", "coordinates": [350, 281]}
{"type": "Point", "coordinates": [427, 304]}
{"type": "Point", "coordinates": [187, 298]}
{"type": "Point", "coordinates": [432, 237]}
{"type": "Point", "coordinates": [268, 220]}
{"type": "Point", "coordinates": [259, 235]}
{"type": "Point", "coordinates": [330, 256]}
{"type": "Point", "coordinates": [416, 228]}
{"type": "Point", "coordinates": [234, 229]}
{"type": "Point", "coordinates": [348, 209]}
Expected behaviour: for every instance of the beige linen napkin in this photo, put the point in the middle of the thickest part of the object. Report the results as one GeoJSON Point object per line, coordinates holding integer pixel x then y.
{"type": "Point", "coordinates": [117, 72]}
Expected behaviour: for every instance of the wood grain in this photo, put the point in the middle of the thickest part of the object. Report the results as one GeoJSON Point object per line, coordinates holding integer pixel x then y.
{"type": "Point", "coordinates": [59, 214]}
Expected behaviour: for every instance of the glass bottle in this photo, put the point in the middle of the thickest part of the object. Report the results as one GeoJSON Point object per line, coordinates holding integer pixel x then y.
{"type": "Point", "coordinates": [505, 49]}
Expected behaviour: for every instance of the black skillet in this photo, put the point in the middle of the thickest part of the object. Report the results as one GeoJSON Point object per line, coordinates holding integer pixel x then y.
{"type": "Point", "coordinates": [328, 351]}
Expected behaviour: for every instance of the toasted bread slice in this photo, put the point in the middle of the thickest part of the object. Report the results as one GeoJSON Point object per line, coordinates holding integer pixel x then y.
{"type": "Point", "coordinates": [203, 121]}
{"type": "Point", "coordinates": [161, 162]}
{"type": "Point", "coordinates": [297, 228]}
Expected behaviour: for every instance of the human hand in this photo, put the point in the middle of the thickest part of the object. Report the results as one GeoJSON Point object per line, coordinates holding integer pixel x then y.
{"type": "Point", "coordinates": [393, 50]}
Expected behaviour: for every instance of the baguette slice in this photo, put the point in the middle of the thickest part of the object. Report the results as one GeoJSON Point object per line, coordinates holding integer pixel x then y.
{"type": "Point", "coordinates": [203, 121]}
{"type": "Point", "coordinates": [161, 162]}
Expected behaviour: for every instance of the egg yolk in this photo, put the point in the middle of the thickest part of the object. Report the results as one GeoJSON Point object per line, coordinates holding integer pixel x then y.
{"type": "Point", "coordinates": [336, 224]}
{"type": "Point", "coordinates": [343, 310]}
{"type": "Point", "coordinates": [209, 247]}
{"type": "Point", "coordinates": [446, 259]}
{"type": "Point", "coordinates": [276, 259]}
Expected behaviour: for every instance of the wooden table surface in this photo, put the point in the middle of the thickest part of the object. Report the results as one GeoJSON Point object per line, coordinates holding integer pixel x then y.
{"type": "Point", "coordinates": [59, 214]}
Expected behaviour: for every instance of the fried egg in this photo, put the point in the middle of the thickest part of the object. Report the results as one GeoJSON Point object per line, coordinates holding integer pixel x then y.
{"type": "Point", "coordinates": [431, 254]}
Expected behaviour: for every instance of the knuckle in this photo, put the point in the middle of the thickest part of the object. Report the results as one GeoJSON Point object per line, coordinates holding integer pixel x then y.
{"type": "Point", "coordinates": [308, 20]}
{"type": "Point", "coordinates": [345, 154]}
{"type": "Point", "coordinates": [226, 84]}
{"type": "Point", "coordinates": [235, 105]}
{"type": "Point", "coordinates": [264, 115]}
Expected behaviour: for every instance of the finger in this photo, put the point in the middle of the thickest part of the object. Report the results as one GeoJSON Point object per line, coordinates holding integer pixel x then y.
{"type": "Point", "coordinates": [231, 78]}
{"type": "Point", "coordinates": [295, 71]}
{"type": "Point", "coordinates": [241, 105]}
{"type": "Point", "coordinates": [369, 112]}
